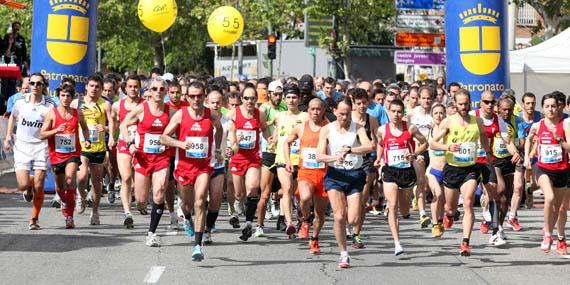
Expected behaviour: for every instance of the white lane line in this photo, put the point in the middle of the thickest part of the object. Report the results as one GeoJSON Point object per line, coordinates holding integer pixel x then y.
{"type": "Point", "coordinates": [154, 274]}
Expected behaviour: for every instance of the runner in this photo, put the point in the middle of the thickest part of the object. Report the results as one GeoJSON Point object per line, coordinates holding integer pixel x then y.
{"type": "Point", "coordinates": [420, 117]}
{"type": "Point", "coordinates": [269, 168]}
{"type": "Point", "coordinates": [119, 112]}
{"type": "Point", "coordinates": [341, 145]}
{"type": "Point", "coordinates": [310, 181]}
{"type": "Point", "coordinates": [370, 124]}
{"type": "Point", "coordinates": [434, 173]}
{"type": "Point", "coordinates": [234, 101]}
{"type": "Point", "coordinates": [285, 123]}
{"type": "Point", "coordinates": [151, 159]}
{"type": "Point", "coordinates": [30, 151]}
{"type": "Point", "coordinates": [61, 129]}
{"type": "Point", "coordinates": [461, 132]}
{"type": "Point", "coordinates": [398, 152]}
{"type": "Point", "coordinates": [245, 124]}
{"type": "Point", "coordinates": [96, 111]}
{"type": "Point", "coordinates": [552, 167]}
{"type": "Point", "coordinates": [194, 128]}
{"type": "Point", "coordinates": [111, 167]}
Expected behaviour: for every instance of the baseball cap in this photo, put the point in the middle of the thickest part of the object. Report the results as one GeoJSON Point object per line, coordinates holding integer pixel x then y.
{"type": "Point", "coordinates": [168, 77]}
{"type": "Point", "coordinates": [393, 86]}
{"type": "Point", "coordinates": [291, 89]}
{"type": "Point", "coordinates": [274, 85]}
{"type": "Point", "coordinates": [306, 84]}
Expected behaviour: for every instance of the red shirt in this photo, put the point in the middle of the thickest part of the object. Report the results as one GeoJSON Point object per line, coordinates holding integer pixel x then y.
{"type": "Point", "coordinates": [248, 130]}
{"type": "Point", "coordinates": [201, 135]}
{"type": "Point", "coordinates": [64, 145]}
{"type": "Point", "coordinates": [551, 155]}
{"type": "Point", "coordinates": [150, 129]}
{"type": "Point", "coordinates": [491, 131]}
{"type": "Point", "coordinates": [396, 148]}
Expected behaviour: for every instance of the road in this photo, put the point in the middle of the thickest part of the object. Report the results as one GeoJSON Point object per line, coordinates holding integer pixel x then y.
{"type": "Point", "coordinates": [110, 254]}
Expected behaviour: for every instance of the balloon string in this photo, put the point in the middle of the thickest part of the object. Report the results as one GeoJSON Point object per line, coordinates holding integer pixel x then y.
{"type": "Point", "coordinates": [163, 52]}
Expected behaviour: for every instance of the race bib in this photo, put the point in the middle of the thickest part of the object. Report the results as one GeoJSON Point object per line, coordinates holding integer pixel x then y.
{"type": "Point", "coordinates": [351, 161]}
{"type": "Point", "coordinates": [310, 158]}
{"type": "Point", "coordinates": [295, 147]}
{"type": "Point", "coordinates": [480, 151]}
{"type": "Point", "coordinates": [93, 134]}
{"type": "Point", "coordinates": [550, 153]}
{"type": "Point", "coordinates": [466, 153]}
{"type": "Point", "coordinates": [198, 147]}
{"type": "Point", "coordinates": [398, 158]}
{"type": "Point", "coordinates": [247, 139]}
{"type": "Point", "coordinates": [65, 143]}
{"type": "Point", "coordinates": [437, 152]}
{"type": "Point", "coordinates": [152, 144]}
{"type": "Point", "coordinates": [500, 148]}
{"type": "Point", "coordinates": [132, 132]}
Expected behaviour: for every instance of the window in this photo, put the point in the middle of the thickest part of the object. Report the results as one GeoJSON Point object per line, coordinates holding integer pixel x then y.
{"type": "Point", "coordinates": [527, 15]}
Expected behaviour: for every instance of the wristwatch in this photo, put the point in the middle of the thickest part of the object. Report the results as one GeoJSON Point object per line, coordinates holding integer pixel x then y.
{"type": "Point", "coordinates": [349, 149]}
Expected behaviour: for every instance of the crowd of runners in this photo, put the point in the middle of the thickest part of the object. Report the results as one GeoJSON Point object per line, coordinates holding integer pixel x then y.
{"type": "Point", "coordinates": [300, 149]}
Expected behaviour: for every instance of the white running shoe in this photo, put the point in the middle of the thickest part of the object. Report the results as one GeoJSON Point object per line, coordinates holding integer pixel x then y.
{"type": "Point", "coordinates": [152, 240]}
{"type": "Point", "coordinates": [259, 231]}
{"type": "Point", "coordinates": [497, 240]}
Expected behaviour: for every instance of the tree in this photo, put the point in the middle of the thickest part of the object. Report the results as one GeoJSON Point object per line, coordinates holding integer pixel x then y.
{"type": "Point", "coordinates": [553, 12]}
{"type": "Point", "coordinates": [358, 22]}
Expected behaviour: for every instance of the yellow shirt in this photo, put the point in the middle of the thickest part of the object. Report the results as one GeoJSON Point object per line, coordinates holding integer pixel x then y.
{"type": "Point", "coordinates": [467, 136]}
{"type": "Point", "coordinates": [286, 126]}
{"type": "Point", "coordinates": [94, 115]}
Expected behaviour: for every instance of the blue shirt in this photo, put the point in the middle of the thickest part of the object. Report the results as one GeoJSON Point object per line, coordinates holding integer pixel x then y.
{"type": "Point", "coordinates": [11, 100]}
{"type": "Point", "coordinates": [376, 110]}
{"type": "Point", "coordinates": [523, 127]}
{"type": "Point", "coordinates": [335, 97]}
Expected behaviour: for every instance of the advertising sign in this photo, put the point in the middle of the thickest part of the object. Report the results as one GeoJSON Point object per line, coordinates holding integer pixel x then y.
{"type": "Point", "coordinates": [420, 40]}
{"type": "Point", "coordinates": [420, 4]}
{"type": "Point", "coordinates": [419, 58]}
{"type": "Point", "coordinates": [420, 21]}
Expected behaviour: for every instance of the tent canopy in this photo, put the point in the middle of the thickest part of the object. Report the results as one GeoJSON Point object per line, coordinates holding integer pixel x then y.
{"type": "Point", "coordinates": [551, 56]}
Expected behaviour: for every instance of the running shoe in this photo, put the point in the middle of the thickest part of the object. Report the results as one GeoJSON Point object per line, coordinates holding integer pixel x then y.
{"type": "Point", "coordinates": [501, 233]}
{"type": "Point", "coordinates": [281, 225]}
{"type": "Point", "coordinates": [484, 228]}
{"type": "Point", "coordinates": [128, 221]}
{"type": "Point", "coordinates": [291, 230]}
{"type": "Point", "coordinates": [424, 221]}
{"type": "Point", "coordinates": [496, 240]}
{"type": "Point", "coordinates": [69, 224]}
{"type": "Point", "coordinates": [348, 233]}
{"type": "Point", "coordinates": [234, 221]}
{"type": "Point", "coordinates": [447, 222]}
{"type": "Point", "coordinates": [259, 231]}
{"type": "Point", "coordinates": [95, 219]}
{"type": "Point", "coordinates": [28, 197]}
{"type": "Point", "coordinates": [561, 247]}
{"type": "Point", "coordinates": [89, 202]}
{"type": "Point", "coordinates": [111, 197]}
{"type": "Point", "coordinates": [189, 227]}
{"type": "Point", "coordinates": [82, 206]}
{"type": "Point", "coordinates": [437, 230]}
{"type": "Point", "coordinates": [142, 208]}
{"type": "Point", "coordinates": [514, 223]}
{"type": "Point", "coordinates": [546, 244]}
{"type": "Point", "coordinates": [314, 247]}
{"type": "Point", "coordinates": [55, 203]}
{"type": "Point", "coordinates": [197, 254]}
{"type": "Point", "coordinates": [357, 241]}
{"type": "Point", "coordinates": [464, 249]}
{"type": "Point", "coordinates": [34, 226]}
{"type": "Point", "coordinates": [457, 216]}
{"type": "Point", "coordinates": [239, 207]}
{"type": "Point", "coordinates": [398, 250]}
{"type": "Point", "coordinates": [152, 240]}
{"type": "Point", "coordinates": [173, 224]}
{"type": "Point", "coordinates": [208, 238]}
{"type": "Point", "coordinates": [304, 230]}
{"type": "Point", "coordinates": [246, 233]}
{"type": "Point", "coordinates": [344, 262]}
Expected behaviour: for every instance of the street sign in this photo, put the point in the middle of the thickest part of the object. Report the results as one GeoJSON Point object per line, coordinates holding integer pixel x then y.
{"type": "Point", "coordinates": [419, 58]}
{"type": "Point", "coordinates": [314, 26]}
{"type": "Point", "coordinates": [420, 40]}
{"type": "Point", "coordinates": [420, 4]}
{"type": "Point", "coordinates": [420, 21]}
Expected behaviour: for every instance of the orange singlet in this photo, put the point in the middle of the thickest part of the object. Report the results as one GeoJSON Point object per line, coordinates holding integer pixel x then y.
{"type": "Point", "coordinates": [310, 170]}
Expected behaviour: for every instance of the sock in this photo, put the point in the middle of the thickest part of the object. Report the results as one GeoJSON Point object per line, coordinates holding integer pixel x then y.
{"type": "Point", "coordinates": [70, 198]}
{"type": "Point", "coordinates": [188, 216]}
{"type": "Point", "coordinates": [397, 243]}
{"type": "Point", "coordinates": [38, 202]}
{"type": "Point", "coordinates": [211, 218]}
{"type": "Point", "coordinates": [561, 238]}
{"type": "Point", "coordinates": [250, 208]}
{"type": "Point", "coordinates": [440, 221]}
{"type": "Point", "coordinates": [198, 238]}
{"type": "Point", "coordinates": [422, 213]}
{"type": "Point", "coordinates": [466, 241]}
{"type": "Point", "coordinates": [494, 209]}
{"type": "Point", "coordinates": [155, 215]}
{"type": "Point", "coordinates": [63, 197]}
{"type": "Point", "coordinates": [511, 215]}
{"type": "Point", "coordinates": [315, 238]}
{"type": "Point", "coordinates": [344, 253]}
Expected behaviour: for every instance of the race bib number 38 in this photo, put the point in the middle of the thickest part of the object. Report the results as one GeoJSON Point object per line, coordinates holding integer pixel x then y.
{"type": "Point", "coordinates": [246, 138]}
{"type": "Point", "coordinates": [198, 147]}
{"type": "Point", "coordinates": [152, 144]}
{"type": "Point", "coordinates": [65, 143]}
{"type": "Point", "coordinates": [310, 158]}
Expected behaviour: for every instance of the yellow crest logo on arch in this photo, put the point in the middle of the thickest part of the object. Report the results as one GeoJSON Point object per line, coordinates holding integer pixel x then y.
{"type": "Point", "coordinates": [480, 45]}
{"type": "Point", "coordinates": [67, 35]}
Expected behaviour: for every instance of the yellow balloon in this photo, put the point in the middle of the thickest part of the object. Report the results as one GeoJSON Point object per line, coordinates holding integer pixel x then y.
{"type": "Point", "coordinates": [225, 25]}
{"type": "Point", "coordinates": [157, 15]}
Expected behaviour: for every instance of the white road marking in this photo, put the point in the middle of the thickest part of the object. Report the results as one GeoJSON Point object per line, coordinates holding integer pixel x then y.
{"type": "Point", "coordinates": [154, 274]}
{"type": "Point", "coordinates": [171, 233]}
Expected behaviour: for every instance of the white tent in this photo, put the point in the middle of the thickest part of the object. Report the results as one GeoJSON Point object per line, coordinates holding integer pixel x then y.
{"type": "Point", "coordinates": [542, 68]}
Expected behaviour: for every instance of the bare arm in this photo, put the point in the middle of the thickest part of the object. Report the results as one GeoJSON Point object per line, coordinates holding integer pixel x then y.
{"type": "Point", "coordinates": [373, 126]}
{"type": "Point", "coordinates": [380, 145]}
{"type": "Point", "coordinates": [528, 145]}
{"type": "Point", "coordinates": [287, 145]}
{"type": "Point", "coordinates": [322, 155]}
{"type": "Point", "coordinates": [47, 131]}
{"type": "Point", "coordinates": [443, 130]}
{"type": "Point", "coordinates": [484, 139]}
{"type": "Point", "coordinates": [232, 136]}
{"type": "Point", "coordinates": [166, 137]}
{"type": "Point", "coordinates": [113, 128]}
{"type": "Point", "coordinates": [422, 141]}
{"type": "Point", "coordinates": [131, 119]}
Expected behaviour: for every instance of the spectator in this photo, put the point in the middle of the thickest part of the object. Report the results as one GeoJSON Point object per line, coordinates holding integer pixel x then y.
{"type": "Point", "coordinates": [329, 90]}
{"type": "Point", "coordinates": [24, 88]}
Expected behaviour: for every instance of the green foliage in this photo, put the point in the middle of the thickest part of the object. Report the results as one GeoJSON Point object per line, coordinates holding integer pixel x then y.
{"type": "Point", "coordinates": [536, 40]}
{"type": "Point", "coordinates": [8, 15]}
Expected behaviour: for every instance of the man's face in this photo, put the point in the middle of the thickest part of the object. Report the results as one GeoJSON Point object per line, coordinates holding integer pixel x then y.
{"type": "Point", "coordinates": [315, 111]}
{"type": "Point", "coordinates": [319, 83]}
{"type": "Point", "coordinates": [292, 101]}
{"type": "Point", "coordinates": [328, 89]}
{"type": "Point", "coordinates": [453, 90]}
{"type": "Point", "coordinates": [413, 99]}
{"type": "Point", "coordinates": [195, 98]}
{"type": "Point", "coordinates": [338, 88]}
{"type": "Point", "coordinates": [109, 90]}
{"type": "Point", "coordinates": [505, 109]}
{"type": "Point", "coordinates": [488, 102]}
{"type": "Point", "coordinates": [25, 85]}
{"type": "Point", "coordinates": [65, 98]}
{"type": "Point", "coordinates": [366, 86]}
{"type": "Point", "coordinates": [276, 96]}
{"type": "Point", "coordinates": [343, 112]}
{"type": "Point", "coordinates": [396, 113]}
{"type": "Point", "coordinates": [390, 96]}
{"type": "Point", "coordinates": [379, 98]}
{"type": "Point", "coordinates": [15, 28]}
{"type": "Point", "coordinates": [361, 105]}
{"type": "Point", "coordinates": [157, 91]}
{"type": "Point", "coordinates": [529, 103]}
{"type": "Point", "coordinates": [132, 88]}
{"type": "Point", "coordinates": [215, 101]}
{"type": "Point", "coordinates": [463, 104]}
{"type": "Point", "coordinates": [36, 84]}
{"type": "Point", "coordinates": [93, 89]}
{"type": "Point", "coordinates": [425, 99]}
{"type": "Point", "coordinates": [233, 103]}
{"type": "Point", "coordinates": [174, 94]}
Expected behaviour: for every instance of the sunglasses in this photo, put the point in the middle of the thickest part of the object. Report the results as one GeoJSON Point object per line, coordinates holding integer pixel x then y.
{"type": "Point", "coordinates": [489, 102]}
{"type": "Point", "coordinates": [161, 89]}
{"type": "Point", "coordinates": [36, 83]}
{"type": "Point", "coordinates": [249, 98]}
{"type": "Point", "coordinates": [194, 97]}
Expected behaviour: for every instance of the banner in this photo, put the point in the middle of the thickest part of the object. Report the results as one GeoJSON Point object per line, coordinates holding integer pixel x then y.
{"type": "Point", "coordinates": [420, 40]}
{"type": "Point", "coordinates": [421, 4]}
{"type": "Point", "coordinates": [64, 40]}
{"type": "Point", "coordinates": [477, 51]}
{"type": "Point", "coordinates": [419, 58]}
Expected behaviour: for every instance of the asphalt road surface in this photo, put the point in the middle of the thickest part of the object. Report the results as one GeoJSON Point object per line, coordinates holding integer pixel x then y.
{"type": "Point", "coordinates": [110, 254]}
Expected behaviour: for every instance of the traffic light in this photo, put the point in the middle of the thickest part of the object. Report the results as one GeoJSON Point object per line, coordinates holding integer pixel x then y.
{"type": "Point", "coordinates": [271, 46]}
